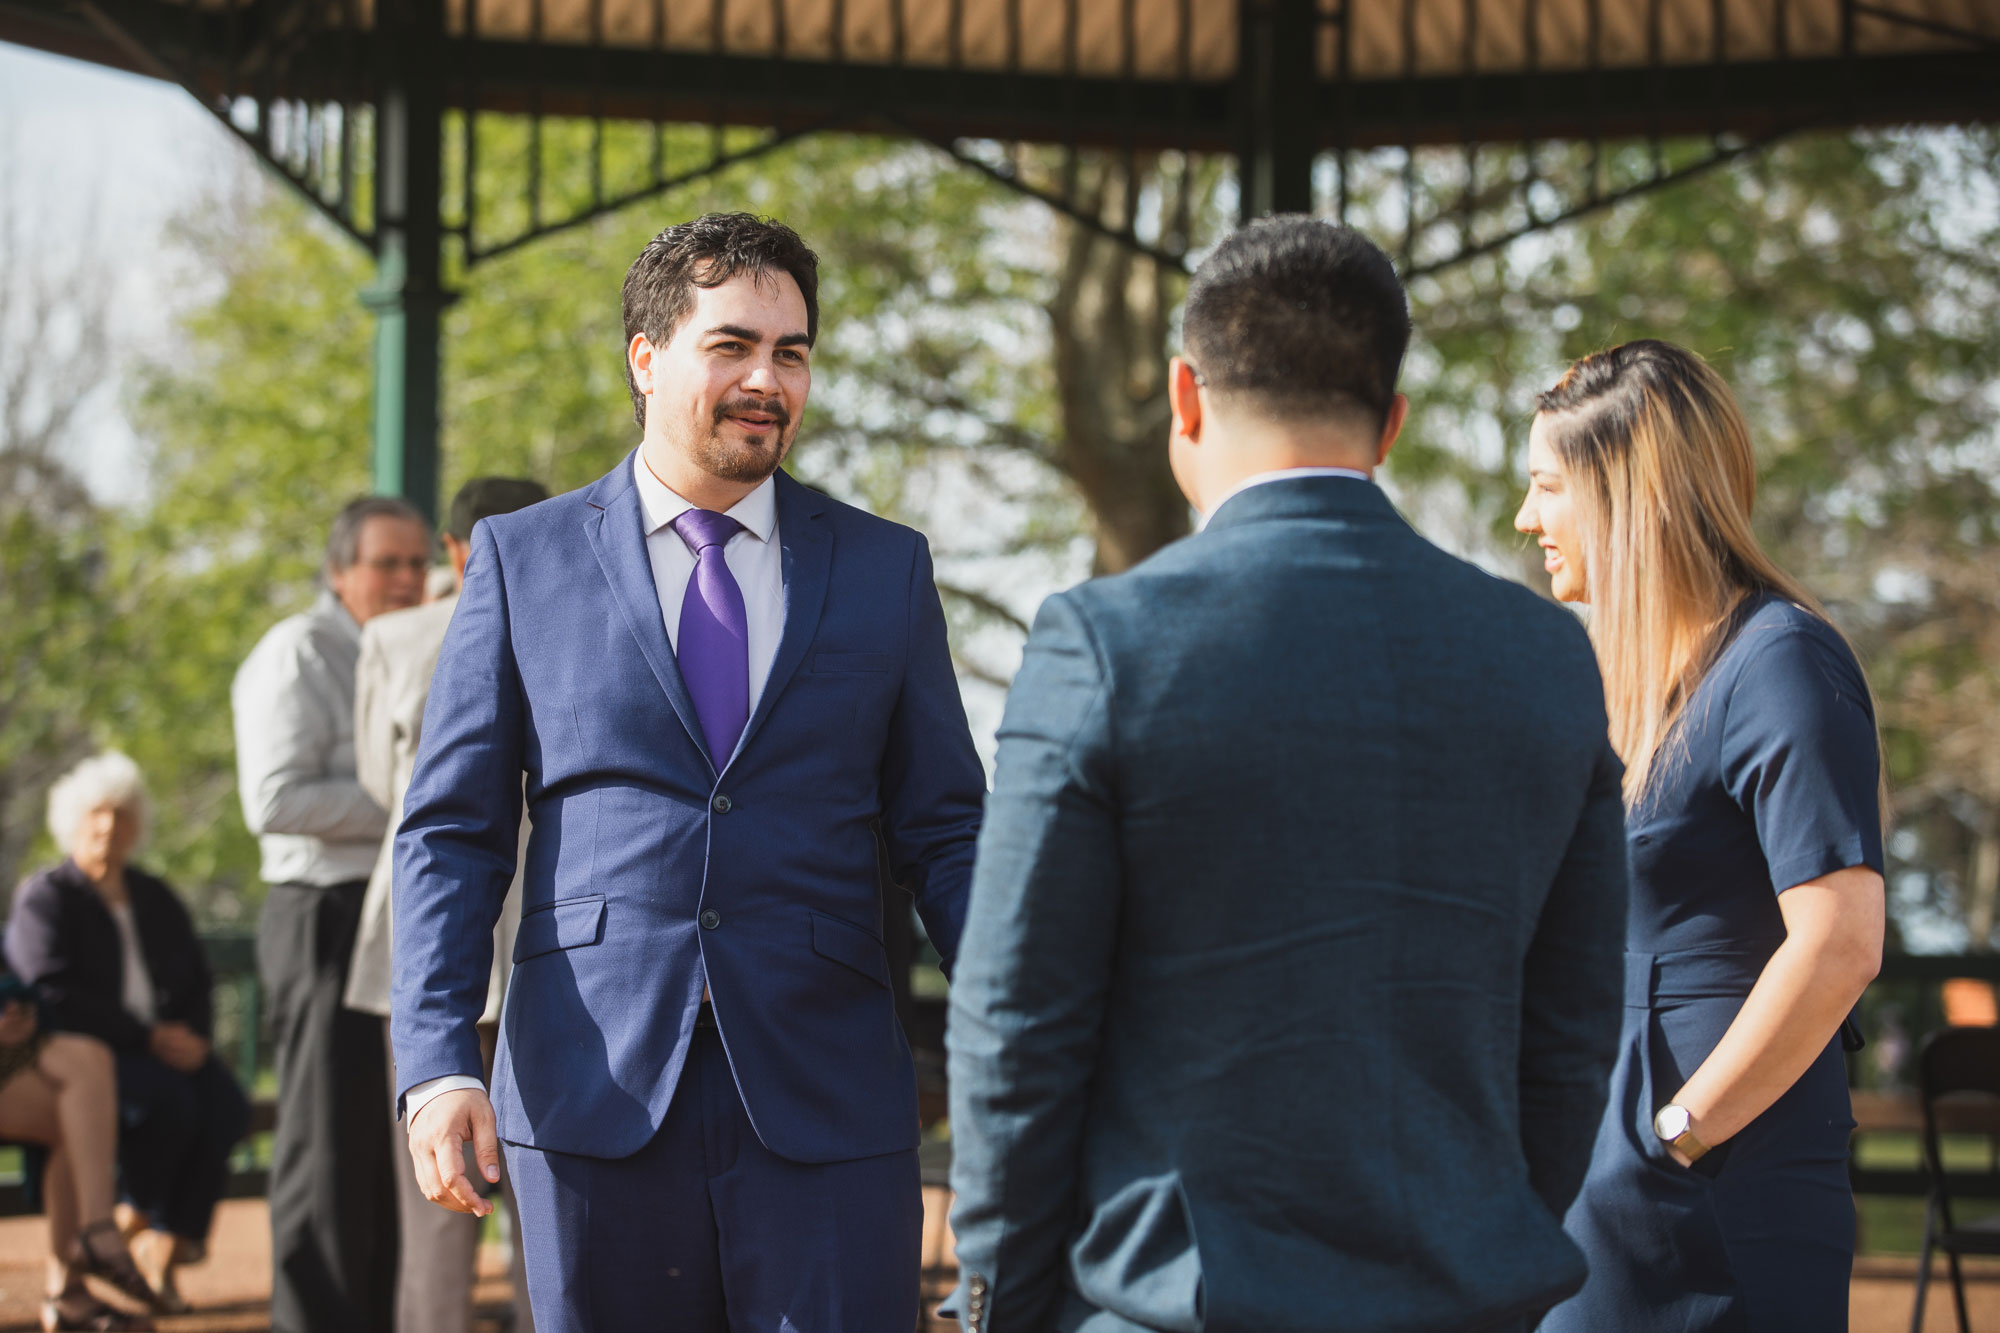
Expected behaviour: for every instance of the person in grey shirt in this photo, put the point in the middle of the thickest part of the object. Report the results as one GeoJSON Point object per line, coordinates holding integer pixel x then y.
{"type": "Point", "coordinates": [333, 1215]}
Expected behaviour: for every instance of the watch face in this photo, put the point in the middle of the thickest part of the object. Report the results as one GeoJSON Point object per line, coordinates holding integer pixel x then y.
{"type": "Point", "coordinates": [1671, 1122]}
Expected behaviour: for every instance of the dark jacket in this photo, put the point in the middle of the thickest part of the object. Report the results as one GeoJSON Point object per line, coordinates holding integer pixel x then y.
{"type": "Point", "coordinates": [1292, 973]}
{"type": "Point", "coordinates": [62, 939]}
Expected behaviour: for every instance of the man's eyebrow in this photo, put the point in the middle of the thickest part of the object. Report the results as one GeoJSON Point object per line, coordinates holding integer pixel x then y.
{"type": "Point", "coordinates": [753, 336]}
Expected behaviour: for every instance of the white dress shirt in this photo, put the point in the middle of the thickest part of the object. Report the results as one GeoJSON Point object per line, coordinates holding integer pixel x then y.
{"type": "Point", "coordinates": [753, 556]}
{"type": "Point", "coordinates": [757, 561]}
{"type": "Point", "coordinates": [1283, 474]}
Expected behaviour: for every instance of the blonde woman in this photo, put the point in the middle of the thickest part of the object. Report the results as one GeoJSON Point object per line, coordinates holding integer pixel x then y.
{"type": "Point", "coordinates": [1718, 1194]}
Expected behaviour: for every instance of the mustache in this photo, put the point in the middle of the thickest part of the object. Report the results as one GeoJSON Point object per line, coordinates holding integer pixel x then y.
{"type": "Point", "coordinates": [774, 410]}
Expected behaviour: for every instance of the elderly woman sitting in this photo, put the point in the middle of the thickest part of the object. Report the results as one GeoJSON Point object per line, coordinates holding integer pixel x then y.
{"type": "Point", "coordinates": [112, 955]}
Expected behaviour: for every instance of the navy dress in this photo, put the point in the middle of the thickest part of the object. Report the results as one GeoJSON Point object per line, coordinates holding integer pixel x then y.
{"type": "Point", "coordinates": [1769, 782]}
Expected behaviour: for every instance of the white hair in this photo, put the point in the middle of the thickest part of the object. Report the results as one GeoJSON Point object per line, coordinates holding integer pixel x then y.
{"type": "Point", "coordinates": [103, 779]}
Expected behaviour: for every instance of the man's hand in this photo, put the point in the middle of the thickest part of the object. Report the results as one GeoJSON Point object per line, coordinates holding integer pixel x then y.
{"type": "Point", "coordinates": [438, 1135]}
{"type": "Point", "coordinates": [178, 1047]}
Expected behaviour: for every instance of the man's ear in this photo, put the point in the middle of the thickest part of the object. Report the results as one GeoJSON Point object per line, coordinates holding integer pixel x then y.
{"type": "Point", "coordinates": [639, 352]}
{"type": "Point", "coordinates": [1184, 397]}
{"type": "Point", "coordinates": [1399, 412]}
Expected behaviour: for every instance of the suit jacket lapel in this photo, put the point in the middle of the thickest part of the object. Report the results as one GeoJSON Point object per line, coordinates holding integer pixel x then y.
{"type": "Point", "coordinates": [806, 540]}
{"type": "Point", "coordinates": [617, 534]}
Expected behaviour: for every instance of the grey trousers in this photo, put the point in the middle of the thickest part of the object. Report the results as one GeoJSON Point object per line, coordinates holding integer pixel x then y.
{"type": "Point", "coordinates": [440, 1247]}
{"type": "Point", "coordinates": [333, 1212]}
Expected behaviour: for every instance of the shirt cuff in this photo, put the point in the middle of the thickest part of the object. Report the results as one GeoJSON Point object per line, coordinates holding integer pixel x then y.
{"type": "Point", "coordinates": [420, 1096]}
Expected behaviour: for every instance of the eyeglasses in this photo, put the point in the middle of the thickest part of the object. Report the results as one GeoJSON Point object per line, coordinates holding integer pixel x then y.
{"type": "Point", "coordinates": [389, 564]}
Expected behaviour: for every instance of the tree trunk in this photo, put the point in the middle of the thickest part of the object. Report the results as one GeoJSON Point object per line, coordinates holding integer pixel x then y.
{"type": "Point", "coordinates": [1110, 319]}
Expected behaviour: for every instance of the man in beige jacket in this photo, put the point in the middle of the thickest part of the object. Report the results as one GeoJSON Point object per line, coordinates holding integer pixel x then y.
{"type": "Point", "coordinates": [392, 682]}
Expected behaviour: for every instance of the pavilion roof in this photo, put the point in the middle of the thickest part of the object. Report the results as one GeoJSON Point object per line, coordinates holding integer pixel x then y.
{"type": "Point", "coordinates": [1083, 71]}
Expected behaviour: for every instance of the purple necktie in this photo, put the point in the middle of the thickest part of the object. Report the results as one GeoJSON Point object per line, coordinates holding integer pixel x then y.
{"type": "Point", "coordinates": [714, 645]}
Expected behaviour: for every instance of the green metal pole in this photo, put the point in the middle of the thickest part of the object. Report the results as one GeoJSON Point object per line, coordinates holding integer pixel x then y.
{"type": "Point", "coordinates": [408, 297]}
{"type": "Point", "coordinates": [1277, 111]}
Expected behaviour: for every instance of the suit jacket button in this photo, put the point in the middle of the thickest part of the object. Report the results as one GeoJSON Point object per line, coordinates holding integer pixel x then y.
{"type": "Point", "coordinates": [710, 918]}
{"type": "Point", "coordinates": [720, 804]}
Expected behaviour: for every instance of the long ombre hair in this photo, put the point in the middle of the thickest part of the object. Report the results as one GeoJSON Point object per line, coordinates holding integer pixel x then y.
{"type": "Point", "coordinates": [1663, 480]}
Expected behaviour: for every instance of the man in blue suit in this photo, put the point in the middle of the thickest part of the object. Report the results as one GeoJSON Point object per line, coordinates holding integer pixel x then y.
{"type": "Point", "coordinates": [1292, 974]}
{"type": "Point", "coordinates": [714, 686]}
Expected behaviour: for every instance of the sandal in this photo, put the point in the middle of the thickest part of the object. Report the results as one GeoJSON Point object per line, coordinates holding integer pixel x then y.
{"type": "Point", "coordinates": [171, 1300]}
{"type": "Point", "coordinates": [80, 1312]}
{"type": "Point", "coordinates": [156, 1254]}
{"type": "Point", "coordinates": [113, 1265]}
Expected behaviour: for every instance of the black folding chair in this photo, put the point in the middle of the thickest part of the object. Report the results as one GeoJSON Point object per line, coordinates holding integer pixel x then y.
{"type": "Point", "coordinates": [1960, 1086]}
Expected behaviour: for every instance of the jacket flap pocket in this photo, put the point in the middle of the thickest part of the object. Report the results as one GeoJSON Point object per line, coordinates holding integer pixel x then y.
{"type": "Point", "coordinates": [844, 943]}
{"type": "Point", "coordinates": [568, 924]}
{"type": "Point", "coordinates": [850, 661]}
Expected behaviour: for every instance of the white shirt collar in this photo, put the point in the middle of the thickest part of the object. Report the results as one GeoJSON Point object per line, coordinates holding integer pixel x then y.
{"type": "Point", "coordinates": [1284, 474]}
{"type": "Point", "coordinates": [661, 505]}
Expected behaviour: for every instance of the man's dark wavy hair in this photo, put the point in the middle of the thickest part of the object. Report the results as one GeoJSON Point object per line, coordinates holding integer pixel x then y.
{"type": "Point", "coordinates": [707, 252]}
{"type": "Point", "coordinates": [1300, 318]}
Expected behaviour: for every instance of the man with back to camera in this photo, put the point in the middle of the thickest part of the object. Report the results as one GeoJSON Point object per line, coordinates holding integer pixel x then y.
{"type": "Point", "coordinates": [438, 1250]}
{"type": "Point", "coordinates": [1291, 977]}
{"type": "Point", "coordinates": [333, 1218]}
{"type": "Point", "coordinates": [717, 682]}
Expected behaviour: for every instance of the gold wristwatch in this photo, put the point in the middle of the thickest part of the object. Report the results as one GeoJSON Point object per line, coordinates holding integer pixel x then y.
{"type": "Point", "coordinates": [1676, 1129]}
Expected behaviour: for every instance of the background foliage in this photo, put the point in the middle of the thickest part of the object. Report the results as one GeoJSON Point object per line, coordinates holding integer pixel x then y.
{"type": "Point", "coordinates": [991, 374]}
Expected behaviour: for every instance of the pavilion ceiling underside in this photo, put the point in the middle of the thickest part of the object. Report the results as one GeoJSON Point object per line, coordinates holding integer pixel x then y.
{"type": "Point", "coordinates": [1156, 73]}
{"type": "Point", "coordinates": [1196, 39]}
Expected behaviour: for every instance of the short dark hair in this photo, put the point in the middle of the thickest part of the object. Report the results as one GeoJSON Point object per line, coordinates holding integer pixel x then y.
{"type": "Point", "coordinates": [707, 252]}
{"type": "Point", "coordinates": [343, 542]}
{"type": "Point", "coordinates": [1303, 317]}
{"type": "Point", "coordinates": [483, 497]}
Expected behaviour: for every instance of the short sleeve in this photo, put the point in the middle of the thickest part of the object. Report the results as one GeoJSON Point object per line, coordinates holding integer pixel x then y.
{"type": "Point", "coordinates": [1800, 755]}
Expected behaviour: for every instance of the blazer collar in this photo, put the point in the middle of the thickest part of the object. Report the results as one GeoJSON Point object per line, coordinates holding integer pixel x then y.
{"type": "Point", "coordinates": [617, 532]}
{"type": "Point", "coordinates": [1305, 497]}
{"type": "Point", "coordinates": [806, 538]}
{"type": "Point", "coordinates": [608, 487]}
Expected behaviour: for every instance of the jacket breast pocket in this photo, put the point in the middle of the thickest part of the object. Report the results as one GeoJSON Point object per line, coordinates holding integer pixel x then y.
{"type": "Point", "coordinates": [571, 923]}
{"type": "Point", "coordinates": [842, 663]}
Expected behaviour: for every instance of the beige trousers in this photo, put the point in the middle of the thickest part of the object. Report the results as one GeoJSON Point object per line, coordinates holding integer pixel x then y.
{"type": "Point", "coordinates": [440, 1248]}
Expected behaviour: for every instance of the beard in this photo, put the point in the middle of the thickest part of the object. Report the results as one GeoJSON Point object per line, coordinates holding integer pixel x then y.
{"type": "Point", "coordinates": [742, 460]}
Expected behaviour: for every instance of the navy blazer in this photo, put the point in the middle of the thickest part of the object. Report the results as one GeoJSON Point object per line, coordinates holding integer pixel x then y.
{"type": "Point", "coordinates": [62, 939]}
{"type": "Point", "coordinates": [648, 873]}
{"type": "Point", "coordinates": [1292, 975]}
